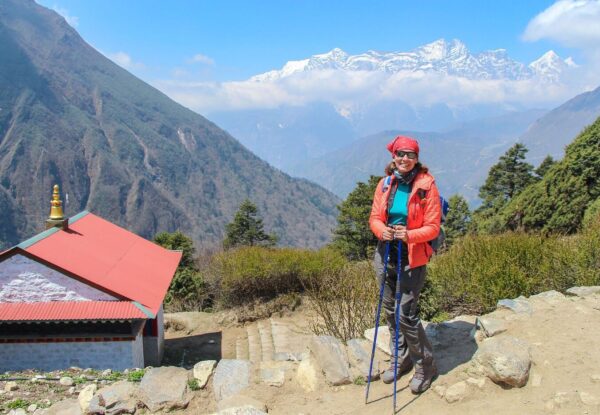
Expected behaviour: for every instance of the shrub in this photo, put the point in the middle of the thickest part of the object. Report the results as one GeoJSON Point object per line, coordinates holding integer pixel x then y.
{"type": "Point", "coordinates": [479, 270]}
{"type": "Point", "coordinates": [344, 300]}
{"type": "Point", "coordinates": [246, 274]}
{"type": "Point", "coordinates": [18, 403]}
{"type": "Point", "coordinates": [193, 384]}
{"type": "Point", "coordinates": [136, 375]}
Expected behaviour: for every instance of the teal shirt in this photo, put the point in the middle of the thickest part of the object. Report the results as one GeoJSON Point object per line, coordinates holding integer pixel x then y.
{"type": "Point", "coordinates": [399, 211]}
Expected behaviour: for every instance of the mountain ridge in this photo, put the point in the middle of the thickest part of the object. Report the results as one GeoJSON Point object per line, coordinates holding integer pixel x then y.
{"type": "Point", "coordinates": [123, 149]}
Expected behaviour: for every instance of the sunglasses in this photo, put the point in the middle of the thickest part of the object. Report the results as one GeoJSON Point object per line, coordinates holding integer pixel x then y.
{"type": "Point", "coordinates": [410, 154]}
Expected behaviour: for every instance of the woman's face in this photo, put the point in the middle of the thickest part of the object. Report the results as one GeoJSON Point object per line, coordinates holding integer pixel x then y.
{"type": "Point", "coordinates": [404, 162]}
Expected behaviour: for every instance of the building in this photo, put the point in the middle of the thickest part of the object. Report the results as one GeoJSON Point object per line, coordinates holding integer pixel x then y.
{"type": "Point", "coordinates": [85, 292]}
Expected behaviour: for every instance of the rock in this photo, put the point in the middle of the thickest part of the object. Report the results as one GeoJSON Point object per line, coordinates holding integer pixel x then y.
{"type": "Point", "coordinates": [231, 376]}
{"type": "Point", "coordinates": [595, 377]}
{"type": "Point", "coordinates": [330, 356]}
{"type": "Point", "coordinates": [106, 373]}
{"type": "Point", "coordinates": [588, 399]}
{"type": "Point", "coordinates": [307, 375]}
{"type": "Point", "coordinates": [65, 407]}
{"type": "Point", "coordinates": [478, 382]}
{"type": "Point", "coordinates": [116, 393]}
{"type": "Point", "coordinates": [490, 326]}
{"type": "Point", "coordinates": [241, 410]}
{"type": "Point", "coordinates": [505, 360]}
{"type": "Point", "coordinates": [18, 411]}
{"type": "Point", "coordinates": [456, 392]}
{"type": "Point", "coordinates": [440, 390]}
{"type": "Point", "coordinates": [71, 390]}
{"type": "Point", "coordinates": [536, 380]}
{"type": "Point", "coordinates": [164, 388]}
{"type": "Point", "coordinates": [359, 358]}
{"type": "Point", "coordinates": [383, 338]}
{"type": "Point", "coordinates": [123, 407]}
{"type": "Point", "coordinates": [272, 374]}
{"type": "Point", "coordinates": [203, 370]}
{"type": "Point", "coordinates": [85, 396]}
{"type": "Point", "coordinates": [32, 407]}
{"type": "Point", "coordinates": [96, 406]}
{"type": "Point", "coordinates": [584, 291]}
{"type": "Point", "coordinates": [11, 386]}
{"type": "Point", "coordinates": [519, 305]}
{"type": "Point", "coordinates": [551, 296]}
{"type": "Point", "coordinates": [238, 401]}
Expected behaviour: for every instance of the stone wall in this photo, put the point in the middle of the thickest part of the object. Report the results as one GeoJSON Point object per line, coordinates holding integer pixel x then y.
{"type": "Point", "coordinates": [116, 355]}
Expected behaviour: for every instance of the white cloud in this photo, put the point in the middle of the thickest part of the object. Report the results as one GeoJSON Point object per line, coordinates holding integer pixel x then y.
{"type": "Point", "coordinates": [124, 60]}
{"type": "Point", "coordinates": [573, 23]}
{"type": "Point", "coordinates": [72, 20]}
{"type": "Point", "coordinates": [346, 89]}
{"type": "Point", "coordinates": [203, 59]}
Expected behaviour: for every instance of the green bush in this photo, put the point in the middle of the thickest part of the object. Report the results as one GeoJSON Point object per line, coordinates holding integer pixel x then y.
{"type": "Point", "coordinates": [18, 403]}
{"type": "Point", "coordinates": [246, 274]}
{"type": "Point", "coordinates": [136, 375]}
{"type": "Point", "coordinates": [479, 270]}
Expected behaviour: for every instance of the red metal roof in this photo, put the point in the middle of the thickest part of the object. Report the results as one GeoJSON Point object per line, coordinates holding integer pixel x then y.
{"type": "Point", "coordinates": [71, 310]}
{"type": "Point", "coordinates": [108, 257]}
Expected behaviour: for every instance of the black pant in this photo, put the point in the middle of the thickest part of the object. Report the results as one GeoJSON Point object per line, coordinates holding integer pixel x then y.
{"type": "Point", "coordinates": [412, 341]}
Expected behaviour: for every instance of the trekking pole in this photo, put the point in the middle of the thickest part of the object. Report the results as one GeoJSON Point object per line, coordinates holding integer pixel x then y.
{"type": "Point", "coordinates": [385, 262]}
{"type": "Point", "coordinates": [398, 299]}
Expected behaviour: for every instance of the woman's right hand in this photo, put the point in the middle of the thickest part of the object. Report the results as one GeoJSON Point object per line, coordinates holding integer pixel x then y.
{"type": "Point", "coordinates": [388, 234]}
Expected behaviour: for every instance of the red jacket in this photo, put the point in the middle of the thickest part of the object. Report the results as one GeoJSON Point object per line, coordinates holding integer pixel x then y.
{"type": "Point", "coordinates": [423, 222]}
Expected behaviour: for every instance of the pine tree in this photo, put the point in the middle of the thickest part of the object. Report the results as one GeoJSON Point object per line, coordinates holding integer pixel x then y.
{"type": "Point", "coordinates": [544, 166]}
{"type": "Point", "coordinates": [505, 180]}
{"type": "Point", "coordinates": [246, 229]}
{"type": "Point", "coordinates": [352, 236]}
{"type": "Point", "coordinates": [458, 219]}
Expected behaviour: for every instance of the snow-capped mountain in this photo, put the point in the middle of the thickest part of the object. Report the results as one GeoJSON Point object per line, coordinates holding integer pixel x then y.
{"type": "Point", "coordinates": [449, 58]}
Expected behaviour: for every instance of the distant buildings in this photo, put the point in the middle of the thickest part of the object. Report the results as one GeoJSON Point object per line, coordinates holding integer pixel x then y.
{"type": "Point", "coordinates": [84, 293]}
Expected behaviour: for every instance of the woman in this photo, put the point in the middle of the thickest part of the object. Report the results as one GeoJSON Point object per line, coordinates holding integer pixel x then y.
{"type": "Point", "coordinates": [406, 210]}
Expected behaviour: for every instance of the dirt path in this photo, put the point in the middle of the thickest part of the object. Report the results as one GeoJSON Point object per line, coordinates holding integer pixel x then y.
{"type": "Point", "coordinates": [564, 336]}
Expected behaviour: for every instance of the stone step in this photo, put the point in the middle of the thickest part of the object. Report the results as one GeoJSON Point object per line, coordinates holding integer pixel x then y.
{"type": "Point", "coordinates": [288, 343]}
{"type": "Point", "coordinates": [254, 344]}
{"type": "Point", "coordinates": [266, 340]}
{"type": "Point", "coordinates": [241, 348]}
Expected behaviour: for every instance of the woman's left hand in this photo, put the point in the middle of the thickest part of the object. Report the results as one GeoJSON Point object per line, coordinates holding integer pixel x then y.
{"type": "Point", "coordinates": [400, 233]}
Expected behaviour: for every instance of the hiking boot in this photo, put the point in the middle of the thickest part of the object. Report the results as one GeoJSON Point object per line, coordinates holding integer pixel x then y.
{"type": "Point", "coordinates": [424, 375]}
{"type": "Point", "coordinates": [403, 367]}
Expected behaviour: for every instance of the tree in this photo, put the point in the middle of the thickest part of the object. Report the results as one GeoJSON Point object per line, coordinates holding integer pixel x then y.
{"type": "Point", "coordinates": [544, 166]}
{"type": "Point", "coordinates": [505, 180]}
{"type": "Point", "coordinates": [458, 219]}
{"type": "Point", "coordinates": [187, 290]}
{"type": "Point", "coordinates": [352, 236]}
{"type": "Point", "coordinates": [246, 229]}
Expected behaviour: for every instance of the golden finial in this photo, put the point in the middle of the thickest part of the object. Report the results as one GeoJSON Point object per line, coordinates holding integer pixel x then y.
{"type": "Point", "coordinates": [56, 210]}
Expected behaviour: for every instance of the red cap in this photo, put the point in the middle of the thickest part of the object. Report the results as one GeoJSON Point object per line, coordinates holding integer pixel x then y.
{"type": "Point", "coordinates": [403, 143]}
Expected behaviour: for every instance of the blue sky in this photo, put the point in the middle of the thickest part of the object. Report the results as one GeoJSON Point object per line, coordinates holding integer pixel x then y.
{"type": "Point", "coordinates": [244, 38]}
{"type": "Point", "coordinates": [202, 53]}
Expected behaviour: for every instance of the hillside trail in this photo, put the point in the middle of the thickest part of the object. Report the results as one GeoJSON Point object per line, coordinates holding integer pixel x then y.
{"type": "Point", "coordinates": [563, 334]}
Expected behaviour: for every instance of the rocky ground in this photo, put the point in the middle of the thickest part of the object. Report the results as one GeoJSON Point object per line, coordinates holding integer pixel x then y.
{"type": "Point", "coordinates": [536, 355]}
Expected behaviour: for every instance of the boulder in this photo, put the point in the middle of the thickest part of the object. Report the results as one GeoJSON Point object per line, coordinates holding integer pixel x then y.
{"type": "Point", "coordinates": [584, 291]}
{"type": "Point", "coordinates": [85, 396]}
{"type": "Point", "coordinates": [203, 370]}
{"type": "Point", "coordinates": [65, 407]}
{"type": "Point", "coordinates": [456, 392]}
{"type": "Point", "coordinates": [66, 381]}
{"type": "Point", "coordinates": [164, 388]}
{"type": "Point", "coordinates": [490, 326]}
{"type": "Point", "coordinates": [116, 393]}
{"type": "Point", "coordinates": [307, 375]}
{"type": "Point", "coordinates": [383, 338]}
{"type": "Point", "coordinates": [11, 386]}
{"type": "Point", "coordinates": [272, 373]}
{"type": "Point", "coordinates": [359, 357]}
{"type": "Point", "coordinates": [231, 376]}
{"type": "Point", "coordinates": [504, 360]}
{"type": "Point", "coordinates": [330, 356]}
{"type": "Point", "coordinates": [240, 401]}
{"type": "Point", "coordinates": [519, 305]}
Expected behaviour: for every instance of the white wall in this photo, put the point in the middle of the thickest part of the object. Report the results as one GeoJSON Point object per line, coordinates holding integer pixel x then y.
{"type": "Point", "coordinates": [24, 280]}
